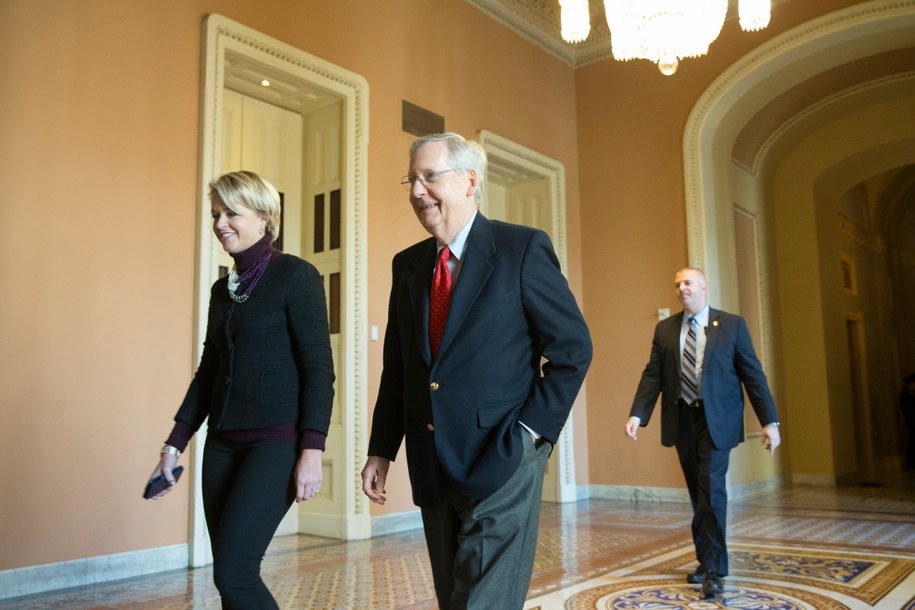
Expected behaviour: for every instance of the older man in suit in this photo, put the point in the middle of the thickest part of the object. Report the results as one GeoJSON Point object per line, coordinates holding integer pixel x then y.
{"type": "Point", "coordinates": [484, 353]}
{"type": "Point", "coordinates": [700, 360]}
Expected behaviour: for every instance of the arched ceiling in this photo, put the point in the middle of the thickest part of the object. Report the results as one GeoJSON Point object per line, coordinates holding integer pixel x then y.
{"type": "Point", "coordinates": [894, 207]}
{"type": "Point", "coordinates": [832, 83]}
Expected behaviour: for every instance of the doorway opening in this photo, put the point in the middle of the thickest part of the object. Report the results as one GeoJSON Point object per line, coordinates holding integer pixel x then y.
{"type": "Point", "coordinates": [301, 122]}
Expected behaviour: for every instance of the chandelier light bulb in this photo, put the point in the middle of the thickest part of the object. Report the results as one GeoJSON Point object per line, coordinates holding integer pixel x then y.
{"type": "Point", "coordinates": [575, 19]}
{"type": "Point", "coordinates": [668, 66]}
{"type": "Point", "coordinates": [754, 14]}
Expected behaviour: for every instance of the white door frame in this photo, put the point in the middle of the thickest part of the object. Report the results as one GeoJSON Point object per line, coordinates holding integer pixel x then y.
{"type": "Point", "coordinates": [222, 36]}
{"type": "Point", "coordinates": [501, 150]}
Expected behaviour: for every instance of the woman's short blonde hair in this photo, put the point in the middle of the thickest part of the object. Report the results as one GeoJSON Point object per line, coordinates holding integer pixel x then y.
{"type": "Point", "coordinates": [249, 190]}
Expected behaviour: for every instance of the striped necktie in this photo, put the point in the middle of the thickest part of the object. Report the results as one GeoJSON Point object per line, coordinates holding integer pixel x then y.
{"type": "Point", "coordinates": [689, 382]}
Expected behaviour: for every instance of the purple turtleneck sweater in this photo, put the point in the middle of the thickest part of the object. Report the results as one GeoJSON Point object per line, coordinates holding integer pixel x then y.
{"type": "Point", "coordinates": [306, 439]}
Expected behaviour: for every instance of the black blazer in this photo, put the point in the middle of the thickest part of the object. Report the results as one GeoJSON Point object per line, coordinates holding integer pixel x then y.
{"type": "Point", "coordinates": [511, 307]}
{"type": "Point", "coordinates": [729, 362]}
{"type": "Point", "coordinates": [268, 360]}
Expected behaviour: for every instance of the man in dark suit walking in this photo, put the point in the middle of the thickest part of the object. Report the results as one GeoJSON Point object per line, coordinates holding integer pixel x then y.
{"type": "Point", "coordinates": [700, 359]}
{"type": "Point", "coordinates": [484, 353]}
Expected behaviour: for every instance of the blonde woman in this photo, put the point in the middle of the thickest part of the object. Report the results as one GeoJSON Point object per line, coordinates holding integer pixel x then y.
{"type": "Point", "coordinates": [265, 382]}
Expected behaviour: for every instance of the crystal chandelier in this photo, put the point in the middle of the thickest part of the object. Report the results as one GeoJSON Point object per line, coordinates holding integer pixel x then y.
{"type": "Point", "coordinates": [661, 31]}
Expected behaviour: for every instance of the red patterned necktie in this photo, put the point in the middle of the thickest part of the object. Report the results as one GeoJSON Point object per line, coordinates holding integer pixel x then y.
{"type": "Point", "coordinates": [439, 300]}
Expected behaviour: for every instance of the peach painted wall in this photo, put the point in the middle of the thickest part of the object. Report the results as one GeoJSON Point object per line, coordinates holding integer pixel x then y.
{"type": "Point", "coordinates": [98, 166]}
{"type": "Point", "coordinates": [98, 160]}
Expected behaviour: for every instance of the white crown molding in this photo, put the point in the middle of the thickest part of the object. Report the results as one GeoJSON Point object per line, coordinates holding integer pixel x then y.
{"type": "Point", "coordinates": [538, 21]}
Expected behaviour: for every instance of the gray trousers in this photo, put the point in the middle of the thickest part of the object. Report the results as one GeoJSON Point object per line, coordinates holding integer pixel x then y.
{"type": "Point", "coordinates": [482, 551]}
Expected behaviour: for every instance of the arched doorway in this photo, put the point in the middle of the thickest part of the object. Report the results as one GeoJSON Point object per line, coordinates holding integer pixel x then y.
{"type": "Point", "coordinates": [798, 179]}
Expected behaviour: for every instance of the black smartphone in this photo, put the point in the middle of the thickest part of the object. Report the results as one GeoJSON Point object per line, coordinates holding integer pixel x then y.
{"type": "Point", "coordinates": [158, 484]}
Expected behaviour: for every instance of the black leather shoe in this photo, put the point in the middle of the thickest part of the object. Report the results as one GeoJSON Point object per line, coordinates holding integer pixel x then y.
{"type": "Point", "coordinates": [712, 586]}
{"type": "Point", "coordinates": [697, 577]}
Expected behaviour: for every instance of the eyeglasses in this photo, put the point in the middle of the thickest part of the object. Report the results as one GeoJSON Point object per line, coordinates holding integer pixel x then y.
{"type": "Point", "coordinates": [428, 177]}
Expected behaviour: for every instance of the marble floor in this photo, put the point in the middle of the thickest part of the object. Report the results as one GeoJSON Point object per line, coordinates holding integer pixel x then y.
{"type": "Point", "coordinates": [802, 547]}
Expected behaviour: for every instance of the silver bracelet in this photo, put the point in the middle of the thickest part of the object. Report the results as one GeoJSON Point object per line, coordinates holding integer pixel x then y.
{"type": "Point", "coordinates": [169, 450]}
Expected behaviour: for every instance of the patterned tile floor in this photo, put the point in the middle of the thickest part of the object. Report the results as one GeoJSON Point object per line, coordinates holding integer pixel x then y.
{"type": "Point", "coordinates": [805, 548]}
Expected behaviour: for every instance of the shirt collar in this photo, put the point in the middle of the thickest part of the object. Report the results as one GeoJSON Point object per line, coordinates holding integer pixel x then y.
{"type": "Point", "coordinates": [701, 317]}
{"type": "Point", "coordinates": [460, 240]}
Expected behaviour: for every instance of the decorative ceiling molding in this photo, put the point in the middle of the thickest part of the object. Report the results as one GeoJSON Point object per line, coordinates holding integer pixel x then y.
{"type": "Point", "coordinates": [853, 232]}
{"type": "Point", "coordinates": [539, 22]}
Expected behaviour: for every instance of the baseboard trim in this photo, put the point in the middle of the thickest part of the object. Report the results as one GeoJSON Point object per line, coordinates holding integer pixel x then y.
{"type": "Point", "coordinates": [672, 494]}
{"type": "Point", "coordinates": [42, 578]}
{"type": "Point", "coordinates": [821, 480]}
{"type": "Point", "coordinates": [395, 523]}
{"type": "Point", "coordinates": [745, 490]}
{"type": "Point", "coordinates": [638, 494]}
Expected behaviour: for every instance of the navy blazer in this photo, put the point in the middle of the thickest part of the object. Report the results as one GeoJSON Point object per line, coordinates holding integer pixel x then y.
{"type": "Point", "coordinates": [266, 361]}
{"type": "Point", "coordinates": [515, 348]}
{"type": "Point", "coordinates": [729, 362]}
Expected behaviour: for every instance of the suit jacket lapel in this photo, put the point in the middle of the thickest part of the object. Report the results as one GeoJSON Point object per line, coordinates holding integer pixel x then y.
{"type": "Point", "coordinates": [476, 268]}
{"type": "Point", "coordinates": [419, 284]}
{"type": "Point", "coordinates": [711, 334]}
{"type": "Point", "coordinates": [674, 338]}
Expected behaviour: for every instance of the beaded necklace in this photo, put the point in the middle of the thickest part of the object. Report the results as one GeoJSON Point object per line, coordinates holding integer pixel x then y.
{"type": "Point", "coordinates": [249, 277]}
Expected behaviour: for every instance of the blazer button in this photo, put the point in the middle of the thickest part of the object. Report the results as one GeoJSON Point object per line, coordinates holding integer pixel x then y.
{"type": "Point", "coordinates": [430, 427]}
{"type": "Point", "coordinates": [433, 386]}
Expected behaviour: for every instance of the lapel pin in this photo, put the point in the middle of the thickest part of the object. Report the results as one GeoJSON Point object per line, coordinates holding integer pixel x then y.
{"type": "Point", "coordinates": [715, 323]}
